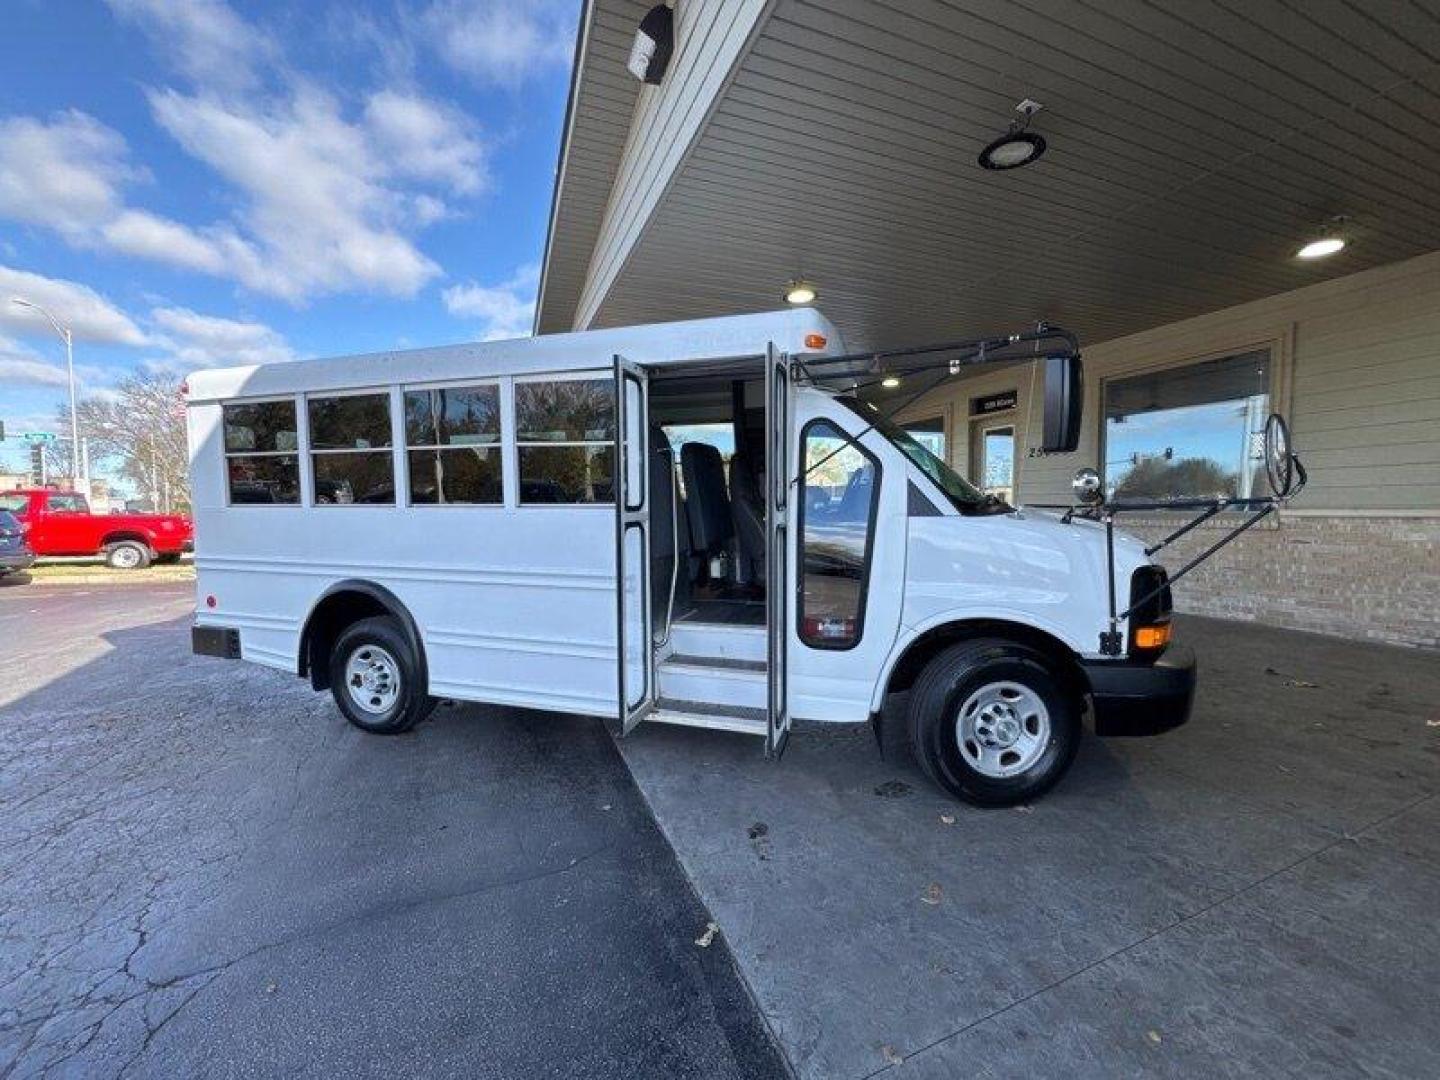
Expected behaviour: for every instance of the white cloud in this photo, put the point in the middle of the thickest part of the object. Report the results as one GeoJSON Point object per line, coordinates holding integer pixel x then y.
{"type": "Point", "coordinates": [502, 41]}
{"type": "Point", "coordinates": [204, 39]}
{"type": "Point", "coordinates": [194, 340]}
{"type": "Point", "coordinates": [22, 368]}
{"type": "Point", "coordinates": [426, 141]}
{"type": "Point", "coordinates": [327, 197]}
{"type": "Point", "coordinates": [506, 310]}
{"type": "Point", "coordinates": [88, 314]}
{"type": "Point", "coordinates": [140, 233]}
{"type": "Point", "coordinates": [64, 174]}
{"type": "Point", "coordinates": [317, 205]}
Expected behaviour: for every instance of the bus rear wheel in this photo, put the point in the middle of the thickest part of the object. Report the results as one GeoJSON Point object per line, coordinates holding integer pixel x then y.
{"type": "Point", "coordinates": [991, 723]}
{"type": "Point", "coordinates": [375, 677]}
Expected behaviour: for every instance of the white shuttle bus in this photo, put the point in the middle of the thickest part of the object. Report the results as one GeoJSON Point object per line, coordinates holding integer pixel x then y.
{"type": "Point", "coordinates": [698, 523]}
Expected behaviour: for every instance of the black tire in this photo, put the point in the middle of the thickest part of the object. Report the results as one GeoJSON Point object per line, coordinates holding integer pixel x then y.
{"type": "Point", "coordinates": [389, 646]}
{"type": "Point", "coordinates": [947, 684]}
{"type": "Point", "coordinates": [127, 555]}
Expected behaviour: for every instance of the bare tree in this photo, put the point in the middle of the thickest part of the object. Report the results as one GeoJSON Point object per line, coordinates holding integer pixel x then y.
{"type": "Point", "coordinates": [142, 425]}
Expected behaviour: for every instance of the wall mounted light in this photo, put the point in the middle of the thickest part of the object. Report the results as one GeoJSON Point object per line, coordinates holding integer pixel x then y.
{"type": "Point", "coordinates": [1327, 240]}
{"type": "Point", "coordinates": [653, 45]}
{"type": "Point", "coordinates": [1017, 147]}
{"type": "Point", "coordinates": [799, 291]}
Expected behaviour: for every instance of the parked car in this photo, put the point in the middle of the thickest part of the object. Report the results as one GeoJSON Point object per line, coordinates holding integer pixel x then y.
{"type": "Point", "coordinates": [60, 523]}
{"type": "Point", "coordinates": [15, 553]}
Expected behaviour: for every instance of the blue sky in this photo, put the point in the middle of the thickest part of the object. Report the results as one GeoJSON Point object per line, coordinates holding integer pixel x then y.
{"type": "Point", "coordinates": [193, 183]}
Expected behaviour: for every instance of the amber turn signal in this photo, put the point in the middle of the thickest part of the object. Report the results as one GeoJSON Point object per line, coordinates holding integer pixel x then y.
{"type": "Point", "coordinates": [1152, 637]}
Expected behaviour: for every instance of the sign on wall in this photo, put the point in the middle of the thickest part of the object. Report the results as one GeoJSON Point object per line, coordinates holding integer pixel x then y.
{"type": "Point", "coordinates": [994, 403]}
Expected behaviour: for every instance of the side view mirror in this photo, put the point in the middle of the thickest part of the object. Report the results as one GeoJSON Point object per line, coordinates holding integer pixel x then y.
{"type": "Point", "coordinates": [1064, 402]}
{"type": "Point", "coordinates": [1086, 487]}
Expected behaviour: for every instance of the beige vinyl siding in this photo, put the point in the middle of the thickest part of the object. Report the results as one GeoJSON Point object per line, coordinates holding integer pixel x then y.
{"type": "Point", "coordinates": [1358, 377]}
{"type": "Point", "coordinates": [710, 38]}
{"type": "Point", "coordinates": [600, 112]}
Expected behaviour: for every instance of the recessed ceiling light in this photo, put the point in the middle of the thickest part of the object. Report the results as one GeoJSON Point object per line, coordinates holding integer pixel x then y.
{"type": "Point", "coordinates": [1017, 146]}
{"type": "Point", "coordinates": [1325, 240]}
{"type": "Point", "coordinates": [890, 382]}
{"type": "Point", "coordinates": [799, 292]}
{"type": "Point", "coordinates": [1318, 249]}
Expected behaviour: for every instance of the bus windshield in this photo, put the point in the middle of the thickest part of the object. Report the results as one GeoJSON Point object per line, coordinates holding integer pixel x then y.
{"type": "Point", "coordinates": [963, 495]}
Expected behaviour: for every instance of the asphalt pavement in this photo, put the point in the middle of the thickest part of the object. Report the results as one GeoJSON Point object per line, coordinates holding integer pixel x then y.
{"type": "Point", "coordinates": [205, 871]}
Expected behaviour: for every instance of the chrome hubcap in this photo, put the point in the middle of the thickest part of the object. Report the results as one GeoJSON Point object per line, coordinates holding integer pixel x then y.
{"type": "Point", "coordinates": [372, 678]}
{"type": "Point", "coordinates": [1002, 729]}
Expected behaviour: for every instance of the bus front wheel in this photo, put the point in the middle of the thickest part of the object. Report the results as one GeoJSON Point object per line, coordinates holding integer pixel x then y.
{"type": "Point", "coordinates": [375, 677]}
{"type": "Point", "coordinates": [991, 724]}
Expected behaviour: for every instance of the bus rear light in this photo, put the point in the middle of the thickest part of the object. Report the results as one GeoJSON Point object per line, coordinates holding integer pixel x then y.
{"type": "Point", "coordinates": [210, 601]}
{"type": "Point", "coordinates": [815, 341]}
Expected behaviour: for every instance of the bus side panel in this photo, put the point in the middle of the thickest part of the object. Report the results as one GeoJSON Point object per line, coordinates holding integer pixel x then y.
{"type": "Point", "coordinates": [514, 606]}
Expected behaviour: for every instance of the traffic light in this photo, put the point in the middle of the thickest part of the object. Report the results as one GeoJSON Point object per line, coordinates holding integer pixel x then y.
{"type": "Point", "coordinates": [37, 464]}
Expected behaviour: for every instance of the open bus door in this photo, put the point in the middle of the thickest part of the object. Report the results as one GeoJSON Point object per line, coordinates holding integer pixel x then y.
{"type": "Point", "coordinates": [778, 469]}
{"type": "Point", "coordinates": [635, 658]}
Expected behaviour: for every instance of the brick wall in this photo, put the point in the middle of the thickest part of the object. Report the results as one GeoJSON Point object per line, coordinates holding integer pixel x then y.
{"type": "Point", "coordinates": [1363, 577]}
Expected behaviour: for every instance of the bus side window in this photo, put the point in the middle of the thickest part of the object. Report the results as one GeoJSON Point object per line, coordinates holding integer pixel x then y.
{"type": "Point", "coordinates": [261, 464]}
{"type": "Point", "coordinates": [565, 437]}
{"type": "Point", "coordinates": [350, 456]}
{"type": "Point", "coordinates": [452, 445]}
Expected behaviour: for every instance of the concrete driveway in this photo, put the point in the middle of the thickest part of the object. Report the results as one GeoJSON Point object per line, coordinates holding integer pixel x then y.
{"type": "Point", "coordinates": [203, 871]}
{"type": "Point", "coordinates": [1256, 894]}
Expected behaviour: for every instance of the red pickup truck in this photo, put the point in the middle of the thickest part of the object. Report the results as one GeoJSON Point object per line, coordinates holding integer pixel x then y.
{"type": "Point", "coordinates": [60, 523]}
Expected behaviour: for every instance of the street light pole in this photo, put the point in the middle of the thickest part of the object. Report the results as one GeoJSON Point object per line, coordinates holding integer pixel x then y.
{"type": "Point", "coordinates": [68, 338]}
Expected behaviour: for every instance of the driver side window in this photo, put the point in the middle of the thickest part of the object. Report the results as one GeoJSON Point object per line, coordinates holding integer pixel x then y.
{"type": "Point", "coordinates": [841, 483]}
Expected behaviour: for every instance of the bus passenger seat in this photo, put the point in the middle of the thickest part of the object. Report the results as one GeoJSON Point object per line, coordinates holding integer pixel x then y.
{"type": "Point", "coordinates": [749, 513]}
{"type": "Point", "coordinates": [707, 505]}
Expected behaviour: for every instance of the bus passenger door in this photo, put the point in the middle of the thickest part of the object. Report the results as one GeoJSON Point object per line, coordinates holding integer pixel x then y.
{"type": "Point", "coordinates": [778, 470]}
{"type": "Point", "coordinates": [635, 657]}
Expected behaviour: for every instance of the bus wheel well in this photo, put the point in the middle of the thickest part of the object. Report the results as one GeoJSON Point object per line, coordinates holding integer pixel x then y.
{"type": "Point", "coordinates": [341, 605]}
{"type": "Point", "coordinates": [931, 643]}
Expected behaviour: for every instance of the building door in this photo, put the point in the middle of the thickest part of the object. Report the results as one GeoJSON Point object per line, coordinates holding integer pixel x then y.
{"type": "Point", "coordinates": [992, 457]}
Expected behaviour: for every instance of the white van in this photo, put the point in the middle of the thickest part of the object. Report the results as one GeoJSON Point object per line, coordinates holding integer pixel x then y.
{"type": "Point", "coordinates": [692, 523]}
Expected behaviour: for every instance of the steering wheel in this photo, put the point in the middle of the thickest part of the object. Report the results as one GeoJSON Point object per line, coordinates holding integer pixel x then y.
{"type": "Point", "coordinates": [1279, 459]}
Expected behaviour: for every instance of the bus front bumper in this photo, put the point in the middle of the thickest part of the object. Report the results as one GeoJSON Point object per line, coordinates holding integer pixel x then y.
{"type": "Point", "coordinates": [1130, 698]}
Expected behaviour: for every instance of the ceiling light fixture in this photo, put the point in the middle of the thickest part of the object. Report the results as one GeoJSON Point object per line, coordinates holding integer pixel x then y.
{"type": "Point", "coordinates": [1326, 240]}
{"type": "Point", "coordinates": [1017, 147]}
{"type": "Point", "coordinates": [799, 291]}
{"type": "Point", "coordinates": [890, 382]}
